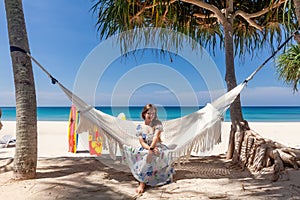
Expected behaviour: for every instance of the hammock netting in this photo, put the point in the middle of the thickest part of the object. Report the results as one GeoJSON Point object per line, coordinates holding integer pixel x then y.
{"type": "Point", "coordinates": [195, 133]}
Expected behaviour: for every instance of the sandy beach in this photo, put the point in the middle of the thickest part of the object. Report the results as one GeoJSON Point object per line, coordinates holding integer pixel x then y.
{"type": "Point", "coordinates": [63, 175]}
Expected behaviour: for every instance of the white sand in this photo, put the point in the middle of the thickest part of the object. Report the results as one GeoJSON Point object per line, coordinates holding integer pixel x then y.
{"type": "Point", "coordinates": [53, 136]}
{"type": "Point", "coordinates": [63, 175]}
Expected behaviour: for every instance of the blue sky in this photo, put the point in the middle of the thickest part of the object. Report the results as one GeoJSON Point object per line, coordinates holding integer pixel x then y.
{"type": "Point", "coordinates": [62, 37]}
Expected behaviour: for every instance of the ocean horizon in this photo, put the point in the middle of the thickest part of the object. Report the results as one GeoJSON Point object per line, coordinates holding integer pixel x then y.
{"type": "Point", "coordinates": [250, 113]}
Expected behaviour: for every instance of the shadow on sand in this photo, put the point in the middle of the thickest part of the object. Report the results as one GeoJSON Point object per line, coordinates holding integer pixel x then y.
{"type": "Point", "coordinates": [87, 178]}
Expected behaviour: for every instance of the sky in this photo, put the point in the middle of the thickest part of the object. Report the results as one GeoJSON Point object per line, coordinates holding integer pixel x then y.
{"type": "Point", "coordinates": [64, 39]}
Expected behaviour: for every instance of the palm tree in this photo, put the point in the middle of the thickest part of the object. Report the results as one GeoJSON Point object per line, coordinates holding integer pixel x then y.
{"type": "Point", "coordinates": [239, 26]}
{"type": "Point", "coordinates": [25, 159]}
{"type": "Point", "coordinates": [288, 66]}
{"type": "Point", "coordinates": [288, 63]}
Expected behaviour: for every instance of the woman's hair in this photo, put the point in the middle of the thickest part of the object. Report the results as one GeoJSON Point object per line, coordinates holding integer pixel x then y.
{"type": "Point", "coordinates": [155, 122]}
{"type": "Point", "coordinates": [147, 108]}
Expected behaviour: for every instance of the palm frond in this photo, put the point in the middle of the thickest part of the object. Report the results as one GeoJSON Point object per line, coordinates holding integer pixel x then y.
{"type": "Point", "coordinates": [199, 23]}
{"type": "Point", "coordinates": [288, 66]}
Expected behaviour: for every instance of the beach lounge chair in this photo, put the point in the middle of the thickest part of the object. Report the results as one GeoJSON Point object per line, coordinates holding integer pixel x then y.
{"type": "Point", "coordinates": [7, 141]}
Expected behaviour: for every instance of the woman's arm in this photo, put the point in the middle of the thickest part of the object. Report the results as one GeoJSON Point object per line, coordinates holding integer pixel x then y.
{"type": "Point", "coordinates": [141, 136]}
{"type": "Point", "coordinates": [156, 138]}
{"type": "Point", "coordinates": [143, 143]}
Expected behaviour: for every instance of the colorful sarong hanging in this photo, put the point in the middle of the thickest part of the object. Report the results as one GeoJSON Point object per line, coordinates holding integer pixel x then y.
{"type": "Point", "coordinates": [95, 142]}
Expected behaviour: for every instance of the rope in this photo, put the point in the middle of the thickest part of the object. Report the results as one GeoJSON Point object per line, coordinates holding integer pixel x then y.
{"type": "Point", "coordinates": [15, 48]}
{"type": "Point", "coordinates": [53, 80]}
{"type": "Point", "coordinates": [267, 60]}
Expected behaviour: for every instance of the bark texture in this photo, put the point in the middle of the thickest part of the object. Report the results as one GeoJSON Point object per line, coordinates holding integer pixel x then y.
{"type": "Point", "coordinates": [25, 160]}
{"type": "Point", "coordinates": [256, 153]}
{"type": "Point", "coordinates": [230, 78]}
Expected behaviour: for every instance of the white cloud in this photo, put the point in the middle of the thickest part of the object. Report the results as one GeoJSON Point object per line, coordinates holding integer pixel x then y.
{"type": "Point", "coordinates": [7, 99]}
{"type": "Point", "coordinates": [52, 99]}
{"type": "Point", "coordinates": [270, 96]}
{"type": "Point", "coordinates": [161, 97]}
{"type": "Point", "coordinates": [259, 96]}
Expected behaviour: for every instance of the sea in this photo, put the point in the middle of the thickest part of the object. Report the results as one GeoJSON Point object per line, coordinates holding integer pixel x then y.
{"type": "Point", "coordinates": [250, 113]}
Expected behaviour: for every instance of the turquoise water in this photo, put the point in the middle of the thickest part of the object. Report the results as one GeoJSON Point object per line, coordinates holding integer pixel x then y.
{"type": "Point", "coordinates": [251, 113]}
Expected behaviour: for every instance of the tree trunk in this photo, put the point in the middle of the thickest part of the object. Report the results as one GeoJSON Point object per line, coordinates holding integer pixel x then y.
{"type": "Point", "coordinates": [25, 160]}
{"type": "Point", "coordinates": [247, 148]}
{"type": "Point", "coordinates": [238, 123]}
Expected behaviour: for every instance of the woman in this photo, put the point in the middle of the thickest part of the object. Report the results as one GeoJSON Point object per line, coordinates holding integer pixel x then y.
{"type": "Point", "coordinates": [150, 163]}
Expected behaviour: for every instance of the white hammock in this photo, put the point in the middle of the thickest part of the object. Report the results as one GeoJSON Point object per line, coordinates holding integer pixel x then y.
{"type": "Point", "coordinates": [196, 132]}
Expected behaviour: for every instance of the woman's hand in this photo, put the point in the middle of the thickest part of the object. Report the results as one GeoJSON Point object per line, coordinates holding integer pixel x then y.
{"type": "Point", "coordinates": [154, 150]}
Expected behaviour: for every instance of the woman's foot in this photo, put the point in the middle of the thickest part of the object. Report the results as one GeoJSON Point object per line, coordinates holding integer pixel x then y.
{"type": "Point", "coordinates": [141, 188]}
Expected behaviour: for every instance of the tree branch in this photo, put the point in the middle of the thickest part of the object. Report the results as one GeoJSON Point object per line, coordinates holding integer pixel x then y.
{"type": "Point", "coordinates": [150, 7]}
{"type": "Point", "coordinates": [248, 17]}
{"type": "Point", "coordinates": [202, 16]}
{"type": "Point", "coordinates": [217, 13]}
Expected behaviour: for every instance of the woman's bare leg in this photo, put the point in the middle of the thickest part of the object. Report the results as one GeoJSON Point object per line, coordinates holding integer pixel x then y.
{"type": "Point", "coordinates": [140, 189]}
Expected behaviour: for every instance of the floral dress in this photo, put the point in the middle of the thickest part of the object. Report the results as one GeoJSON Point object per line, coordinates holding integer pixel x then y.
{"type": "Point", "coordinates": [151, 169]}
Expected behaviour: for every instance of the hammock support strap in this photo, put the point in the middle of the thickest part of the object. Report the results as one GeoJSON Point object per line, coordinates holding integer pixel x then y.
{"type": "Point", "coordinates": [273, 54]}
{"type": "Point", "coordinates": [15, 48]}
